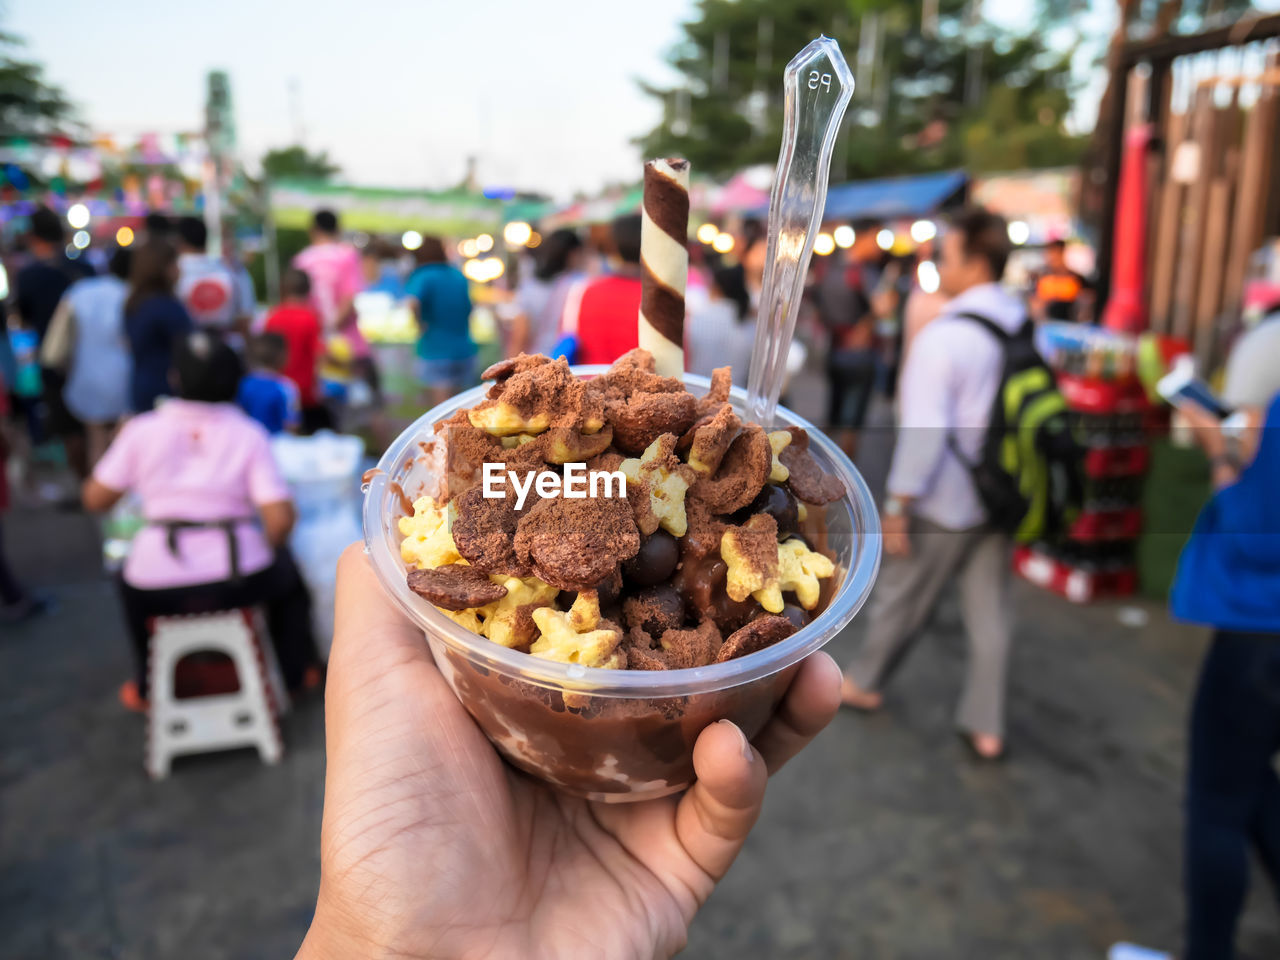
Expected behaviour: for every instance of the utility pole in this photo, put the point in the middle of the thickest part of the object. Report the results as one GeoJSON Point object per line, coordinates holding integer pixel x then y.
{"type": "Point", "coordinates": [295, 111]}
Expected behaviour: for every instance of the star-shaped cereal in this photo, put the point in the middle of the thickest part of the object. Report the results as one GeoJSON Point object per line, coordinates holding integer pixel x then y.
{"type": "Point", "coordinates": [514, 440]}
{"type": "Point", "coordinates": [667, 479]}
{"type": "Point", "coordinates": [427, 541]}
{"type": "Point", "coordinates": [508, 622]}
{"type": "Point", "coordinates": [778, 441]}
{"type": "Point", "coordinates": [577, 636]}
{"type": "Point", "coordinates": [751, 554]}
{"type": "Point", "coordinates": [574, 446]}
{"type": "Point", "coordinates": [504, 420]}
{"type": "Point", "coordinates": [467, 619]}
{"type": "Point", "coordinates": [800, 569]}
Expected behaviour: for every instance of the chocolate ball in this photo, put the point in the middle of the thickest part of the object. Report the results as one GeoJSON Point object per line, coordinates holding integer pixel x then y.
{"type": "Point", "coordinates": [609, 589]}
{"type": "Point", "coordinates": [607, 592]}
{"type": "Point", "coordinates": [655, 610]}
{"type": "Point", "coordinates": [797, 615]}
{"type": "Point", "coordinates": [655, 561]}
{"type": "Point", "coordinates": [796, 535]}
{"type": "Point", "coordinates": [778, 502]}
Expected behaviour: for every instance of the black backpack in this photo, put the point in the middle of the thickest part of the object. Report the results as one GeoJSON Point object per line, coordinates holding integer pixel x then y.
{"type": "Point", "coordinates": [1030, 473]}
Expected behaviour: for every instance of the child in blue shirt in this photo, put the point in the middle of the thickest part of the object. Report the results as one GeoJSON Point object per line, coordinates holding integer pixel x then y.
{"type": "Point", "coordinates": [265, 393]}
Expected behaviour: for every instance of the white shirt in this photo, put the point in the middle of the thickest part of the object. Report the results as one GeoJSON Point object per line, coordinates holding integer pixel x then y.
{"type": "Point", "coordinates": [715, 337]}
{"type": "Point", "coordinates": [946, 389]}
{"type": "Point", "coordinates": [1253, 367]}
{"type": "Point", "coordinates": [97, 389]}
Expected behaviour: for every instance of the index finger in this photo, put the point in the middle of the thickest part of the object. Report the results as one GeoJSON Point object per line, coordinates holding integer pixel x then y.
{"type": "Point", "coordinates": [370, 634]}
{"type": "Point", "coordinates": [810, 702]}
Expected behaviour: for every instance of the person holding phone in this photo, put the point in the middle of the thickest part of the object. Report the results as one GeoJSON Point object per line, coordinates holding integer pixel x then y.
{"type": "Point", "coordinates": [1228, 578]}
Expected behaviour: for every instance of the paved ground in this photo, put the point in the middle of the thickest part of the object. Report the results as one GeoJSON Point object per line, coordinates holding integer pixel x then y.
{"type": "Point", "coordinates": [882, 841]}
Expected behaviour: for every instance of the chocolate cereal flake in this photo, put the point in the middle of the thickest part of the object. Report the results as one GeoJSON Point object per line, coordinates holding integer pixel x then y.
{"type": "Point", "coordinates": [574, 544]}
{"type": "Point", "coordinates": [759, 633]}
{"type": "Point", "coordinates": [807, 479]}
{"type": "Point", "coordinates": [741, 474]}
{"type": "Point", "coordinates": [484, 531]}
{"type": "Point", "coordinates": [455, 587]}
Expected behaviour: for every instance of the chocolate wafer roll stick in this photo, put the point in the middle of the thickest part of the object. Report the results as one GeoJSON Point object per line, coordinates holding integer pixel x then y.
{"type": "Point", "coordinates": [664, 260]}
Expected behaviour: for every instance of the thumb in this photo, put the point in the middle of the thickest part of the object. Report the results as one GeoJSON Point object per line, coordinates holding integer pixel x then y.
{"type": "Point", "coordinates": [716, 814]}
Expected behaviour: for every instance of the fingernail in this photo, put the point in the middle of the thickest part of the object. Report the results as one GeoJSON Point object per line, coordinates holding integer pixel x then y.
{"type": "Point", "coordinates": [743, 745]}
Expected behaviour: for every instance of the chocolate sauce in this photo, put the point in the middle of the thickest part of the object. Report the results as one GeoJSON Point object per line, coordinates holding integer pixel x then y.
{"type": "Point", "coordinates": [405, 503]}
{"type": "Point", "coordinates": [368, 475]}
{"type": "Point", "coordinates": [702, 584]}
{"type": "Point", "coordinates": [591, 745]}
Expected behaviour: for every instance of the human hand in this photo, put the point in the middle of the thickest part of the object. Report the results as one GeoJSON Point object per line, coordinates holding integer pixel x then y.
{"type": "Point", "coordinates": [894, 529]}
{"type": "Point", "coordinates": [432, 847]}
{"type": "Point", "coordinates": [1205, 427]}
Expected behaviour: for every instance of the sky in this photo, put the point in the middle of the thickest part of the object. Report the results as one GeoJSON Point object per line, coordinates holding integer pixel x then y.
{"type": "Point", "coordinates": [543, 92]}
{"type": "Point", "coordinates": [399, 92]}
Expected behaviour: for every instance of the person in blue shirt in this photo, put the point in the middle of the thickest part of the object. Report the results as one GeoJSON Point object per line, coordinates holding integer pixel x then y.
{"type": "Point", "coordinates": [1228, 578]}
{"type": "Point", "coordinates": [438, 293]}
{"type": "Point", "coordinates": [265, 393]}
{"type": "Point", "coordinates": [154, 320]}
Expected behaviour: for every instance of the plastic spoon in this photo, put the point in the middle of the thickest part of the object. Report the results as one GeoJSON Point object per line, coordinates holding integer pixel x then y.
{"type": "Point", "coordinates": [818, 85]}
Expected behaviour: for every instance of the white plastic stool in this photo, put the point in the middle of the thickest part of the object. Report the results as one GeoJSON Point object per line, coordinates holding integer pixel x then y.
{"type": "Point", "coordinates": [246, 718]}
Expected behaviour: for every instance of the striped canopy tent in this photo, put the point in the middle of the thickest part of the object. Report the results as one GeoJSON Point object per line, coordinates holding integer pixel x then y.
{"type": "Point", "coordinates": [893, 198]}
{"type": "Point", "coordinates": [386, 210]}
{"type": "Point", "coordinates": [745, 191]}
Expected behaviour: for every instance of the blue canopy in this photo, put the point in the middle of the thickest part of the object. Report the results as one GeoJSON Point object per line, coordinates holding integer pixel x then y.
{"type": "Point", "coordinates": [892, 198]}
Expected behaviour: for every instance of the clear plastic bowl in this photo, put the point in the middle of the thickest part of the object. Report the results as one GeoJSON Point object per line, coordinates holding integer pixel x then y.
{"type": "Point", "coordinates": [614, 735]}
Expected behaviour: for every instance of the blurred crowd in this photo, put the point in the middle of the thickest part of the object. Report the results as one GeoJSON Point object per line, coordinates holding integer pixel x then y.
{"type": "Point", "coordinates": [158, 376]}
{"type": "Point", "coordinates": [97, 342]}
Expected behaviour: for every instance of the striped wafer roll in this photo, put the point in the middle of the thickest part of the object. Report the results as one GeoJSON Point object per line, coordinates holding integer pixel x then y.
{"type": "Point", "coordinates": [664, 259]}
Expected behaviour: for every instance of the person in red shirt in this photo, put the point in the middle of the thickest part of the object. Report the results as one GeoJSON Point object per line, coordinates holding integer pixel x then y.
{"type": "Point", "coordinates": [608, 309]}
{"type": "Point", "coordinates": [296, 320]}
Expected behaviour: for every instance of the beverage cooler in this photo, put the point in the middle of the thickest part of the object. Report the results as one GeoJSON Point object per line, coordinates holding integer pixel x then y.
{"type": "Point", "coordinates": [1098, 373]}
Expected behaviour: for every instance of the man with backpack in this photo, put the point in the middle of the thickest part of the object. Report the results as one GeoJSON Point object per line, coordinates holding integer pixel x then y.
{"type": "Point", "coordinates": [965, 480]}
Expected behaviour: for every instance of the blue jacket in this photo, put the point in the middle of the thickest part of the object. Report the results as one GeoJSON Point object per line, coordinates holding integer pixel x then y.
{"type": "Point", "coordinates": [1229, 572]}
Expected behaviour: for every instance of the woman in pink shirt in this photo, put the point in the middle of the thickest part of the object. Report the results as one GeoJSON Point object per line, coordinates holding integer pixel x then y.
{"type": "Point", "coordinates": [217, 512]}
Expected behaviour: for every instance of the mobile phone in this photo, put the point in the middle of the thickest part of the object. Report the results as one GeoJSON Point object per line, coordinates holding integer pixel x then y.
{"type": "Point", "coordinates": [1234, 426]}
{"type": "Point", "coordinates": [1181, 387]}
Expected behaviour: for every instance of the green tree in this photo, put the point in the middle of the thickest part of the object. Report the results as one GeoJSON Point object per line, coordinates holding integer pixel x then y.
{"type": "Point", "coordinates": [296, 163]}
{"type": "Point", "coordinates": [30, 106]}
{"type": "Point", "coordinates": [935, 87]}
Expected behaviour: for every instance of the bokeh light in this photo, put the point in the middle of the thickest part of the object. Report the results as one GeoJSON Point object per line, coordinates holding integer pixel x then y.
{"type": "Point", "coordinates": [823, 244]}
{"type": "Point", "coordinates": [844, 236]}
{"type": "Point", "coordinates": [1019, 232]}
{"type": "Point", "coordinates": [535, 239]}
{"type": "Point", "coordinates": [707, 233]}
{"type": "Point", "coordinates": [484, 243]}
{"type": "Point", "coordinates": [485, 270]}
{"type": "Point", "coordinates": [124, 236]}
{"type": "Point", "coordinates": [411, 240]}
{"type": "Point", "coordinates": [723, 243]}
{"type": "Point", "coordinates": [923, 230]}
{"type": "Point", "coordinates": [927, 276]}
{"type": "Point", "coordinates": [80, 240]}
{"type": "Point", "coordinates": [468, 248]}
{"type": "Point", "coordinates": [884, 239]}
{"type": "Point", "coordinates": [78, 216]}
{"type": "Point", "coordinates": [517, 233]}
